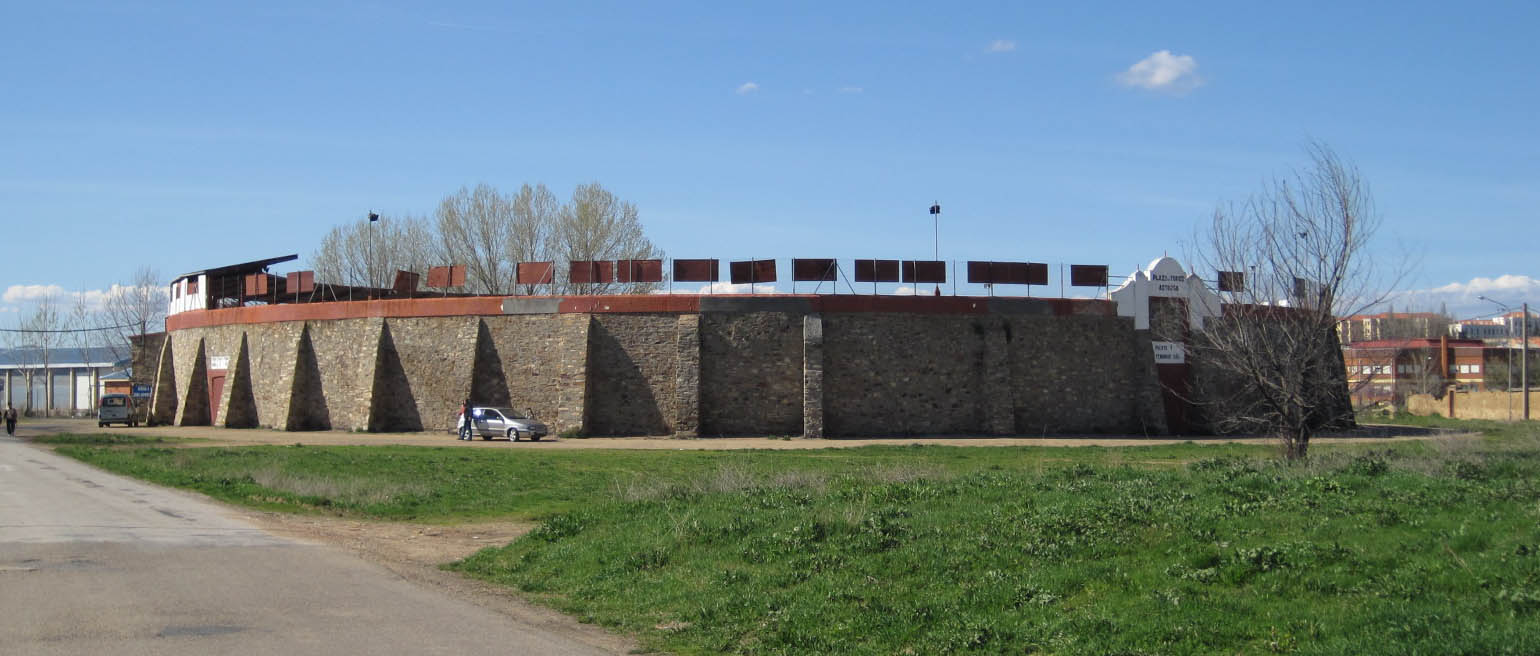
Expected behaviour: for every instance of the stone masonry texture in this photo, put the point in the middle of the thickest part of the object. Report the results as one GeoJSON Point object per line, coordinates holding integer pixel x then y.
{"type": "Point", "coordinates": [631, 374]}
{"type": "Point", "coordinates": [724, 368]}
{"type": "Point", "coordinates": [750, 373]}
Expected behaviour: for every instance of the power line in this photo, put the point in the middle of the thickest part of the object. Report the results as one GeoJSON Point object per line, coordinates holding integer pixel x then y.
{"type": "Point", "coordinates": [66, 330]}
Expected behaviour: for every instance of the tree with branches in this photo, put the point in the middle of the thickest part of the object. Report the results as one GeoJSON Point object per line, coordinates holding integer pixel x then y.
{"type": "Point", "coordinates": [34, 343]}
{"type": "Point", "coordinates": [535, 212]}
{"type": "Point", "coordinates": [490, 233]}
{"type": "Point", "coordinates": [364, 255]}
{"type": "Point", "coordinates": [135, 309]}
{"type": "Point", "coordinates": [475, 226]}
{"type": "Point", "coordinates": [1272, 362]}
{"type": "Point", "coordinates": [596, 225]}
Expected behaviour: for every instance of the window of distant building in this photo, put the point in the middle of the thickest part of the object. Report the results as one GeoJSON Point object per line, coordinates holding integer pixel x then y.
{"type": "Point", "coordinates": [192, 285]}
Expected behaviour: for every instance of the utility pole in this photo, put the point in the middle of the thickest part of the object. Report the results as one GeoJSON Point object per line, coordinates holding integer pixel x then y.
{"type": "Point", "coordinates": [1524, 362]}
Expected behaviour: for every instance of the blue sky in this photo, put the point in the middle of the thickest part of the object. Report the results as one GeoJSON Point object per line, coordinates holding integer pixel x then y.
{"type": "Point", "coordinates": [191, 135]}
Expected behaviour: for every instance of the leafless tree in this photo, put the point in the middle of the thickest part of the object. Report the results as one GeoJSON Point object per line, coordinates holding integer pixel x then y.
{"type": "Point", "coordinates": [1420, 371]}
{"type": "Point", "coordinates": [40, 335]}
{"type": "Point", "coordinates": [536, 211]}
{"type": "Point", "coordinates": [597, 225]}
{"type": "Point", "coordinates": [490, 233]}
{"type": "Point", "coordinates": [136, 308]}
{"type": "Point", "coordinates": [365, 255]}
{"type": "Point", "coordinates": [475, 227]}
{"type": "Point", "coordinates": [1272, 361]}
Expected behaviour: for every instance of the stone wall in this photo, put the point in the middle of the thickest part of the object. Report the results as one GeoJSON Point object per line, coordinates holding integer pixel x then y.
{"type": "Point", "coordinates": [904, 374]}
{"type": "Point", "coordinates": [750, 373]}
{"type": "Point", "coordinates": [1082, 374]}
{"type": "Point", "coordinates": [632, 374]}
{"type": "Point", "coordinates": [347, 353]}
{"type": "Point", "coordinates": [530, 353]}
{"type": "Point", "coordinates": [846, 366]}
{"type": "Point", "coordinates": [1495, 406]}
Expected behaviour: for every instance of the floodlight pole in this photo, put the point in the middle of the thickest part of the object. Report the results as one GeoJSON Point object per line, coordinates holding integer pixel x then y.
{"type": "Point", "coordinates": [1522, 364]}
{"type": "Point", "coordinates": [369, 267]}
{"type": "Point", "coordinates": [935, 224]}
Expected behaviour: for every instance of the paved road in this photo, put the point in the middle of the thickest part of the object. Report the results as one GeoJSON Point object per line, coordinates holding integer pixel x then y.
{"type": "Point", "coordinates": [95, 563]}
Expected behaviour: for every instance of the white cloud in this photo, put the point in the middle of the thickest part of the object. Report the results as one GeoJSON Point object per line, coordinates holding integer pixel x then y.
{"type": "Point", "coordinates": [1163, 71]}
{"type": "Point", "coordinates": [747, 88]}
{"type": "Point", "coordinates": [95, 299]}
{"type": "Point", "coordinates": [1462, 298]}
{"type": "Point", "coordinates": [851, 89]}
{"type": "Point", "coordinates": [31, 293]}
{"type": "Point", "coordinates": [1002, 45]}
{"type": "Point", "coordinates": [722, 288]}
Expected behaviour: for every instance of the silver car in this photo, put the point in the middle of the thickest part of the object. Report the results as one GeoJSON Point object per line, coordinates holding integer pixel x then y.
{"type": "Point", "coordinates": [490, 422]}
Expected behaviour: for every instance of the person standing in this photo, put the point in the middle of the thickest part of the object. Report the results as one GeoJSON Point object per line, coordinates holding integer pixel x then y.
{"type": "Point", "coordinates": [465, 420]}
{"type": "Point", "coordinates": [10, 420]}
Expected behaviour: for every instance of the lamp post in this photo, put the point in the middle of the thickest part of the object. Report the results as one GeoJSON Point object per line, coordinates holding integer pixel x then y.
{"type": "Point", "coordinates": [1509, 348]}
{"type": "Point", "coordinates": [935, 224]}
{"type": "Point", "coordinates": [369, 268]}
{"type": "Point", "coordinates": [1524, 359]}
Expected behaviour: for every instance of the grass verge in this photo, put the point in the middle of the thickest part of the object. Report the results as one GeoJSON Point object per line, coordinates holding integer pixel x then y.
{"type": "Point", "coordinates": [111, 439]}
{"type": "Point", "coordinates": [1421, 547]}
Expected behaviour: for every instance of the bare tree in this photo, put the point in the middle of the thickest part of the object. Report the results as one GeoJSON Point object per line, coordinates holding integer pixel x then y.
{"type": "Point", "coordinates": [137, 308]}
{"type": "Point", "coordinates": [1271, 362]}
{"type": "Point", "coordinates": [490, 233]}
{"type": "Point", "coordinates": [596, 225]}
{"type": "Point", "coordinates": [366, 255]}
{"type": "Point", "coordinates": [40, 334]}
{"type": "Point", "coordinates": [475, 227]}
{"type": "Point", "coordinates": [535, 212]}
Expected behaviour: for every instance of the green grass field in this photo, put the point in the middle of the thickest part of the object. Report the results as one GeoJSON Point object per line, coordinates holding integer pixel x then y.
{"type": "Point", "coordinates": [1417, 548]}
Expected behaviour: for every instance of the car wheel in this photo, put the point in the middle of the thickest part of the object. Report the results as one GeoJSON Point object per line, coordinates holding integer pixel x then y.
{"type": "Point", "coordinates": [513, 435]}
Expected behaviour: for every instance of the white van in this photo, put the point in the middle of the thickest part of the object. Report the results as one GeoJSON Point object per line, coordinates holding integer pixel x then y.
{"type": "Point", "coordinates": [116, 409]}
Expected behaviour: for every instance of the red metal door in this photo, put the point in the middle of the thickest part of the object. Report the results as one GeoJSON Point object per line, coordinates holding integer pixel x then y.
{"type": "Point", "coordinates": [216, 389]}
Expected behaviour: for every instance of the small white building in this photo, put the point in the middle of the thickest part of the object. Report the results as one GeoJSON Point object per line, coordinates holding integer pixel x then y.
{"type": "Point", "coordinates": [215, 288]}
{"type": "Point", "coordinates": [1166, 279]}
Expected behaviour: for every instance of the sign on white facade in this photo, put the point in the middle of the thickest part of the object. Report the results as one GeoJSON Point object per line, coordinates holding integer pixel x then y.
{"type": "Point", "coordinates": [1165, 278]}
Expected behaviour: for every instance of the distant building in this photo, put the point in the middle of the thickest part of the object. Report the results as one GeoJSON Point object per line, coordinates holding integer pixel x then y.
{"type": "Point", "coordinates": [1392, 325]}
{"type": "Point", "coordinates": [1509, 327]}
{"type": "Point", "coordinates": [1478, 329]}
{"type": "Point", "coordinates": [65, 380]}
{"type": "Point", "coordinates": [1392, 369]}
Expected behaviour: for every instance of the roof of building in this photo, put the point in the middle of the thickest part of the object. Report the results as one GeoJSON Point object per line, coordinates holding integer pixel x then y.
{"type": "Point", "coordinates": [1415, 342]}
{"type": "Point", "coordinates": [64, 356]}
{"type": "Point", "coordinates": [1395, 315]}
{"type": "Point", "coordinates": [255, 266]}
